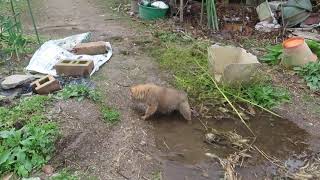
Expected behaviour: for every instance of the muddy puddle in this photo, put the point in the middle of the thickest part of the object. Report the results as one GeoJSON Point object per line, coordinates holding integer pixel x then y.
{"type": "Point", "coordinates": [183, 146]}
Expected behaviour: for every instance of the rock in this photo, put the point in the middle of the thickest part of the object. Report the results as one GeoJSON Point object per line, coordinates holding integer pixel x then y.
{"type": "Point", "coordinates": [48, 170]}
{"type": "Point", "coordinates": [15, 80]}
{"type": "Point", "coordinates": [10, 94]}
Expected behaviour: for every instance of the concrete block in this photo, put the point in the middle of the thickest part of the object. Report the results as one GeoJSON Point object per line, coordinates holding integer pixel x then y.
{"type": "Point", "coordinates": [46, 85]}
{"type": "Point", "coordinates": [91, 48]}
{"type": "Point", "coordinates": [74, 68]}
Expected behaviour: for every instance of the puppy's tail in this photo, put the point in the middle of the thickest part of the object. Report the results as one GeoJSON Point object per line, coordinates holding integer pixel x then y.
{"type": "Point", "coordinates": [184, 109]}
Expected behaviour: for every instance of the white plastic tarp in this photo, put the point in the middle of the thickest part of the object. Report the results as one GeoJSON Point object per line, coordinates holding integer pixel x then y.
{"type": "Point", "coordinates": [53, 51]}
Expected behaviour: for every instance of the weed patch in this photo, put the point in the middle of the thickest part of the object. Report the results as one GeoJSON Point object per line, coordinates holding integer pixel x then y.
{"type": "Point", "coordinates": [110, 115]}
{"type": "Point", "coordinates": [273, 55]}
{"type": "Point", "coordinates": [266, 95]}
{"type": "Point", "coordinates": [80, 92]}
{"type": "Point", "coordinates": [29, 145]}
{"type": "Point", "coordinates": [311, 74]}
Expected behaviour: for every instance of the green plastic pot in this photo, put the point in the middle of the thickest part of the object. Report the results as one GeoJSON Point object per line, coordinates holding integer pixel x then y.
{"type": "Point", "coordinates": [151, 13]}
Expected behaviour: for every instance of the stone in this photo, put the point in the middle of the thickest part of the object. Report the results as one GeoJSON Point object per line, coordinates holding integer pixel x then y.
{"type": "Point", "coordinates": [13, 81]}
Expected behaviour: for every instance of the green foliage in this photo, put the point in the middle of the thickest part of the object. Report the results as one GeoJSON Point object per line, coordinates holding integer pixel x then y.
{"type": "Point", "coordinates": [110, 115]}
{"type": "Point", "coordinates": [273, 56]}
{"type": "Point", "coordinates": [29, 146]}
{"type": "Point", "coordinates": [80, 92]}
{"type": "Point", "coordinates": [314, 46]}
{"type": "Point", "coordinates": [311, 74]}
{"type": "Point", "coordinates": [28, 110]}
{"type": "Point", "coordinates": [266, 95]}
{"type": "Point", "coordinates": [12, 40]}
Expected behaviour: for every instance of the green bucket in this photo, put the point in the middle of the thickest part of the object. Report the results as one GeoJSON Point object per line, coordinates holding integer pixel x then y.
{"type": "Point", "coordinates": [151, 13]}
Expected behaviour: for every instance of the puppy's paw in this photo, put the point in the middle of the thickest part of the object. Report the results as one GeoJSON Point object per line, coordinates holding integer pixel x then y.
{"type": "Point", "coordinates": [144, 117]}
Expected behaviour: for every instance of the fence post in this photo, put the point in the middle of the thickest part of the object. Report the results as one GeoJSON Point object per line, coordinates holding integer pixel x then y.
{"type": "Point", "coordinates": [33, 21]}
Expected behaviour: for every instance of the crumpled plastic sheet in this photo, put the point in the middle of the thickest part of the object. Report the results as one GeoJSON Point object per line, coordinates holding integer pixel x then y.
{"type": "Point", "coordinates": [53, 51]}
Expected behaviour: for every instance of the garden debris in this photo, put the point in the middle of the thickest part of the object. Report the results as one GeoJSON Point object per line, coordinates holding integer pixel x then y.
{"type": "Point", "coordinates": [296, 53]}
{"type": "Point", "coordinates": [160, 5]}
{"type": "Point", "coordinates": [307, 35]}
{"type": "Point", "coordinates": [291, 13]}
{"type": "Point", "coordinates": [91, 48]}
{"type": "Point", "coordinates": [308, 166]}
{"type": "Point", "coordinates": [53, 51]}
{"type": "Point", "coordinates": [268, 22]}
{"type": "Point", "coordinates": [15, 80]}
{"type": "Point", "coordinates": [264, 12]}
{"type": "Point", "coordinates": [65, 81]}
{"type": "Point", "coordinates": [231, 65]}
{"type": "Point", "coordinates": [312, 21]}
{"type": "Point", "coordinates": [229, 164]}
{"type": "Point", "coordinates": [265, 26]}
{"type": "Point", "coordinates": [226, 138]}
{"type": "Point", "coordinates": [295, 12]}
{"type": "Point", "coordinates": [46, 85]}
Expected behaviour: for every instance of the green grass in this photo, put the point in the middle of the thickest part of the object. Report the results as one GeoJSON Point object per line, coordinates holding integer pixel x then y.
{"type": "Point", "coordinates": [80, 92]}
{"type": "Point", "coordinates": [311, 74]}
{"type": "Point", "coordinates": [30, 145]}
{"type": "Point", "coordinates": [185, 60]}
{"type": "Point", "coordinates": [110, 115]}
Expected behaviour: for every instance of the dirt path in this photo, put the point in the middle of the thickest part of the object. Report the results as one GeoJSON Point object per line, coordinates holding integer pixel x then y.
{"type": "Point", "coordinates": [122, 151]}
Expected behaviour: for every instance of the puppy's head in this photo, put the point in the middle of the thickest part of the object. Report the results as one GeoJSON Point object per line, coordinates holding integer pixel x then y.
{"type": "Point", "coordinates": [138, 92]}
{"type": "Point", "coordinates": [134, 91]}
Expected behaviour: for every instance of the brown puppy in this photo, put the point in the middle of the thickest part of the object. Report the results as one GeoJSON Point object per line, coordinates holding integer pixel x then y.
{"type": "Point", "coordinates": [161, 99]}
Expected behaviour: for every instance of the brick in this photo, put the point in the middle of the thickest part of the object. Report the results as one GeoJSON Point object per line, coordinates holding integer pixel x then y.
{"type": "Point", "coordinates": [91, 48]}
{"type": "Point", "coordinates": [46, 85]}
{"type": "Point", "coordinates": [74, 68]}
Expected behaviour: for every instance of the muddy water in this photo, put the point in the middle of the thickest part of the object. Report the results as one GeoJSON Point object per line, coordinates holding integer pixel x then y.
{"type": "Point", "coordinates": [183, 147]}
